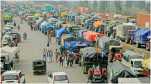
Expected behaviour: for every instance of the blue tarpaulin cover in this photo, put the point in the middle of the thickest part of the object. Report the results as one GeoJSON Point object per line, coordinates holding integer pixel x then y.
{"type": "Point", "coordinates": [140, 35]}
{"type": "Point", "coordinates": [49, 26]}
{"type": "Point", "coordinates": [59, 32]}
{"type": "Point", "coordinates": [45, 26]}
{"type": "Point", "coordinates": [75, 44]}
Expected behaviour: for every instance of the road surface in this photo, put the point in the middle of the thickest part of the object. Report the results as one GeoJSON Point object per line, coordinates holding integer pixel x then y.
{"type": "Point", "coordinates": [32, 49]}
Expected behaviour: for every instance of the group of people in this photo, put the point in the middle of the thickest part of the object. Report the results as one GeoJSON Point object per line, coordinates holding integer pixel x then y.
{"type": "Point", "coordinates": [66, 59]}
{"type": "Point", "coordinates": [47, 55]}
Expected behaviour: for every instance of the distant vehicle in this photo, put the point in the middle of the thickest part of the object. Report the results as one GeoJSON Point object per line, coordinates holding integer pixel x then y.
{"type": "Point", "coordinates": [12, 51]}
{"type": "Point", "coordinates": [90, 57]}
{"type": "Point", "coordinates": [39, 66]}
{"type": "Point", "coordinates": [99, 75]}
{"type": "Point", "coordinates": [115, 53]}
{"type": "Point", "coordinates": [45, 27]}
{"type": "Point", "coordinates": [74, 28]}
{"type": "Point", "coordinates": [9, 37]}
{"type": "Point", "coordinates": [58, 77]}
{"type": "Point", "coordinates": [16, 36]}
{"type": "Point", "coordinates": [140, 37]}
{"type": "Point", "coordinates": [135, 61]}
{"type": "Point", "coordinates": [111, 47]}
{"type": "Point", "coordinates": [123, 31]}
{"type": "Point", "coordinates": [6, 62]}
{"type": "Point", "coordinates": [13, 77]}
{"type": "Point", "coordinates": [6, 29]}
{"type": "Point", "coordinates": [6, 39]}
{"type": "Point", "coordinates": [118, 70]}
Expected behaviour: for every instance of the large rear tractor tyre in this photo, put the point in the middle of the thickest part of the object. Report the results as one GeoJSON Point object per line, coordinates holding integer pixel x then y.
{"type": "Point", "coordinates": [137, 45]}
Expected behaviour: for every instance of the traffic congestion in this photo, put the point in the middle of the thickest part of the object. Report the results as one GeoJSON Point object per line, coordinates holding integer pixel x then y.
{"type": "Point", "coordinates": [58, 42]}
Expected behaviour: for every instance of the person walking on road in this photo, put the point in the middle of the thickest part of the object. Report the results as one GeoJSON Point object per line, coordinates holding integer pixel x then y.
{"type": "Point", "coordinates": [61, 60]}
{"type": "Point", "coordinates": [48, 44]}
{"type": "Point", "coordinates": [14, 23]}
{"type": "Point", "coordinates": [57, 54]}
{"type": "Point", "coordinates": [44, 54]}
{"type": "Point", "coordinates": [18, 27]}
{"type": "Point", "coordinates": [31, 26]}
{"type": "Point", "coordinates": [70, 60]}
{"type": "Point", "coordinates": [24, 36]}
{"type": "Point", "coordinates": [49, 55]}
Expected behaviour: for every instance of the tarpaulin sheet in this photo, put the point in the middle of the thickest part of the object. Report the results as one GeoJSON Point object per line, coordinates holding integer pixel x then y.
{"type": "Point", "coordinates": [45, 26]}
{"type": "Point", "coordinates": [88, 52]}
{"type": "Point", "coordinates": [117, 69]}
{"type": "Point", "coordinates": [49, 26]}
{"type": "Point", "coordinates": [141, 35]}
{"type": "Point", "coordinates": [97, 24]}
{"type": "Point", "coordinates": [59, 32]}
{"type": "Point", "coordinates": [70, 44]}
{"type": "Point", "coordinates": [83, 43]}
{"type": "Point", "coordinates": [10, 50]}
{"type": "Point", "coordinates": [142, 32]}
{"type": "Point", "coordinates": [75, 44]}
{"type": "Point", "coordinates": [90, 36]}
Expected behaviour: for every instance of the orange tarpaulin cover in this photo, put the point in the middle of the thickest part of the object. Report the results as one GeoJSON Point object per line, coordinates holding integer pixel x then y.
{"type": "Point", "coordinates": [90, 36]}
{"type": "Point", "coordinates": [97, 23]}
{"type": "Point", "coordinates": [143, 20]}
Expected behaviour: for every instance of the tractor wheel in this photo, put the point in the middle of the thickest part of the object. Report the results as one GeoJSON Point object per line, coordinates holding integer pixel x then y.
{"type": "Point", "coordinates": [131, 42]}
{"type": "Point", "coordinates": [126, 41]}
{"type": "Point", "coordinates": [147, 46]}
{"type": "Point", "coordinates": [137, 45]}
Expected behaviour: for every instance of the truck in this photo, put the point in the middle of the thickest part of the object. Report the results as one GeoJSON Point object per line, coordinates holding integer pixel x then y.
{"type": "Point", "coordinates": [118, 70]}
{"type": "Point", "coordinates": [8, 17]}
{"type": "Point", "coordinates": [123, 31]}
{"type": "Point", "coordinates": [89, 57]}
{"type": "Point", "coordinates": [45, 27]}
{"type": "Point", "coordinates": [12, 53]}
{"type": "Point", "coordinates": [110, 47]}
{"type": "Point", "coordinates": [115, 53]}
{"type": "Point", "coordinates": [39, 66]}
{"type": "Point", "coordinates": [6, 62]}
{"type": "Point", "coordinates": [139, 37]}
{"type": "Point", "coordinates": [94, 62]}
{"type": "Point", "coordinates": [134, 60]}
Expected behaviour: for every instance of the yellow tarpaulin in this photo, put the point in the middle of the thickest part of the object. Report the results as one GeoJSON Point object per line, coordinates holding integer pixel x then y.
{"type": "Point", "coordinates": [97, 23]}
{"type": "Point", "coordinates": [63, 14]}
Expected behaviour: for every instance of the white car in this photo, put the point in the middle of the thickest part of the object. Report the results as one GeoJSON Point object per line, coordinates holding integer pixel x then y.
{"type": "Point", "coordinates": [58, 77]}
{"type": "Point", "coordinates": [13, 77]}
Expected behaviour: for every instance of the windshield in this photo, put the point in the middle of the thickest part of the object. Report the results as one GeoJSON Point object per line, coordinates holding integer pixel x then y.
{"type": "Point", "coordinates": [137, 64]}
{"type": "Point", "coordinates": [60, 77]}
{"type": "Point", "coordinates": [115, 49]}
{"type": "Point", "coordinates": [128, 28]}
{"type": "Point", "coordinates": [10, 77]}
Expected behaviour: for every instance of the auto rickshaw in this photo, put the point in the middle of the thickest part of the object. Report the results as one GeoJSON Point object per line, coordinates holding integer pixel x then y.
{"type": "Point", "coordinates": [39, 66]}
